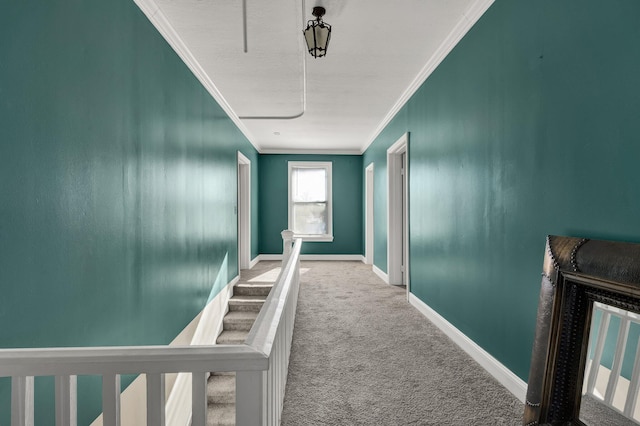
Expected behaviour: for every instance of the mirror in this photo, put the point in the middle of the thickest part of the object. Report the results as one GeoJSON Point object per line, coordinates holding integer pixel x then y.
{"type": "Point", "coordinates": [584, 365]}
{"type": "Point", "coordinates": [612, 369]}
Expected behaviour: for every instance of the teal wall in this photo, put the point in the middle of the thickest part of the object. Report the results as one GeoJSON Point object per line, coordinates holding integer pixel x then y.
{"type": "Point", "coordinates": [529, 127]}
{"type": "Point", "coordinates": [347, 179]}
{"type": "Point", "coordinates": [117, 184]}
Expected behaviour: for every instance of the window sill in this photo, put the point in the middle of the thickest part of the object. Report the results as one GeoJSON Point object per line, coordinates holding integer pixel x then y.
{"type": "Point", "coordinates": [317, 238]}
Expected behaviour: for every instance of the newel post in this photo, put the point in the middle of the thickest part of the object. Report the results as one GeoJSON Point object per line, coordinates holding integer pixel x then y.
{"type": "Point", "coordinates": [287, 244]}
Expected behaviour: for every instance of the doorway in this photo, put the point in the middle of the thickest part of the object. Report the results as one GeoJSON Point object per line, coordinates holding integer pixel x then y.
{"type": "Point", "coordinates": [368, 248]}
{"type": "Point", "coordinates": [398, 213]}
{"type": "Point", "coordinates": [244, 212]}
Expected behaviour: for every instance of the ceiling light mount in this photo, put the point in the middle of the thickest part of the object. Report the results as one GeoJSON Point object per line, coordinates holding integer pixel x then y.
{"type": "Point", "coordinates": [317, 33]}
{"type": "Point", "coordinates": [319, 11]}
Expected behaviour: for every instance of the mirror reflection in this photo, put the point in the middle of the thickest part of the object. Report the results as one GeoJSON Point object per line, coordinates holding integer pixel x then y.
{"type": "Point", "coordinates": [612, 371]}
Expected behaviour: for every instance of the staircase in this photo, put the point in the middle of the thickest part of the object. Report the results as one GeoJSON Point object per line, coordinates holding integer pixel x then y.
{"type": "Point", "coordinates": [244, 307]}
{"type": "Point", "coordinates": [261, 363]}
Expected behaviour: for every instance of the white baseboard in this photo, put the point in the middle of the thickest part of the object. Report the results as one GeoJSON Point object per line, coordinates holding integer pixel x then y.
{"type": "Point", "coordinates": [267, 257]}
{"type": "Point", "coordinates": [502, 374]}
{"type": "Point", "coordinates": [254, 262]}
{"type": "Point", "coordinates": [340, 257]}
{"type": "Point", "coordinates": [332, 257]}
{"type": "Point", "coordinates": [380, 273]}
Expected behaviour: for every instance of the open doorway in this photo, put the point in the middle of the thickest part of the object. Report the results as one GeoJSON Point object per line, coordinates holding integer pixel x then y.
{"type": "Point", "coordinates": [244, 212]}
{"type": "Point", "coordinates": [398, 213]}
{"type": "Point", "coordinates": [368, 219]}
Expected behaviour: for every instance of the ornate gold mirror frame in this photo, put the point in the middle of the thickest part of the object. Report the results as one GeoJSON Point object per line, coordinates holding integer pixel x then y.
{"type": "Point", "coordinates": [576, 273]}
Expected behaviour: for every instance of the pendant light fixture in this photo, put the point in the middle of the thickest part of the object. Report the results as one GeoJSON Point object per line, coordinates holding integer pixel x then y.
{"type": "Point", "coordinates": [317, 33]}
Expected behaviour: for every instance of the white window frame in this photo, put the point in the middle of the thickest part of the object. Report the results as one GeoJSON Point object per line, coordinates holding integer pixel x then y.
{"type": "Point", "coordinates": [327, 165]}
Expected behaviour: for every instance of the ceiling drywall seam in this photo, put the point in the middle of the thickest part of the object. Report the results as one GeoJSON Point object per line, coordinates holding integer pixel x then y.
{"type": "Point", "coordinates": [475, 10]}
{"type": "Point", "coordinates": [304, 75]}
{"type": "Point", "coordinates": [164, 27]}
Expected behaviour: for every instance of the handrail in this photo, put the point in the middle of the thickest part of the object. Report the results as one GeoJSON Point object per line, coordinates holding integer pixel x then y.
{"type": "Point", "coordinates": [129, 360]}
{"type": "Point", "coordinates": [260, 365]}
{"type": "Point", "coordinates": [262, 334]}
{"type": "Point", "coordinates": [271, 334]}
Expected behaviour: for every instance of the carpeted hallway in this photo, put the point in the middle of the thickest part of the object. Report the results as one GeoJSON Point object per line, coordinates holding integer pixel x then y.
{"type": "Point", "coordinates": [362, 355]}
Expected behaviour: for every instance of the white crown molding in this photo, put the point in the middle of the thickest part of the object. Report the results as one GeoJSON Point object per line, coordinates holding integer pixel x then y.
{"type": "Point", "coordinates": [468, 19]}
{"type": "Point", "coordinates": [502, 374]}
{"type": "Point", "coordinates": [153, 12]}
{"type": "Point", "coordinates": [312, 151]}
{"type": "Point", "coordinates": [162, 24]}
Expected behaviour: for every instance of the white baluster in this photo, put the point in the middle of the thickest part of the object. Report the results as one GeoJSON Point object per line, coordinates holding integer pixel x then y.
{"type": "Point", "coordinates": [198, 399]}
{"type": "Point", "coordinates": [250, 388]}
{"type": "Point", "coordinates": [597, 356]}
{"type": "Point", "coordinates": [632, 394]}
{"type": "Point", "coordinates": [22, 401]}
{"type": "Point", "coordinates": [155, 400]}
{"type": "Point", "coordinates": [66, 400]}
{"type": "Point", "coordinates": [111, 400]}
{"type": "Point", "coordinates": [271, 385]}
{"type": "Point", "coordinates": [616, 368]}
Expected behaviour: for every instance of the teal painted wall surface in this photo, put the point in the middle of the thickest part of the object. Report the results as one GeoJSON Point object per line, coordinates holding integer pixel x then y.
{"type": "Point", "coordinates": [117, 185]}
{"type": "Point", "coordinates": [529, 127]}
{"type": "Point", "coordinates": [347, 179]}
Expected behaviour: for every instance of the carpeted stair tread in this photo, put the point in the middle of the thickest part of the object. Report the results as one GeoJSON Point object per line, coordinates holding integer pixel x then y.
{"type": "Point", "coordinates": [221, 415]}
{"type": "Point", "coordinates": [239, 320]}
{"type": "Point", "coordinates": [244, 308]}
{"type": "Point", "coordinates": [246, 303]}
{"type": "Point", "coordinates": [244, 289]}
{"type": "Point", "coordinates": [232, 337]}
{"type": "Point", "coordinates": [248, 298]}
{"type": "Point", "coordinates": [221, 389]}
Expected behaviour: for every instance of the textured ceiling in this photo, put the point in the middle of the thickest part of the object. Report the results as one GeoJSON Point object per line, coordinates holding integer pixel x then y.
{"type": "Point", "coordinates": [379, 51]}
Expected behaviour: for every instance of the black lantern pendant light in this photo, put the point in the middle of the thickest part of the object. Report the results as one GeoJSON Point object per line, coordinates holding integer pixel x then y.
{"type": "Point", "coordinates": [317, 34]}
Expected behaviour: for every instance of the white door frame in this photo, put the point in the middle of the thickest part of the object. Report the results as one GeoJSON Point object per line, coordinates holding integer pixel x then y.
{"type": "Point", "coordinates": [368, 218]}
{"type": "Point", "coordinates": [397, 213]}
{"type": "Point", "coordinates": [244, 212]}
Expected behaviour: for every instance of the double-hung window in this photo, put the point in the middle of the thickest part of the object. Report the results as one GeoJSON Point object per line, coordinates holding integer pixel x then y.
{"type": "Point", "coordinates": [310, 210]}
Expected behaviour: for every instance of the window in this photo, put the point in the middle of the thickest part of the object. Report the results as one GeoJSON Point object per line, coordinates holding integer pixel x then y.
{"type": "Point", "coordinates": [310, 211]}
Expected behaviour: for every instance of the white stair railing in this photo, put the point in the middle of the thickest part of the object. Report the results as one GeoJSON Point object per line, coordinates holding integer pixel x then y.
{"type": "Point", "coordinates": [260, 365]}
{"type": "Point", "coordinates": [608, 385]}
{"type": "Point", "coordinates": [266, 388]}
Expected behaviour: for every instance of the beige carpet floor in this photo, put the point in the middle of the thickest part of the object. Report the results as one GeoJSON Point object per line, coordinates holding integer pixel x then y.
{"type": "Point", "coordinates": [362, 355]}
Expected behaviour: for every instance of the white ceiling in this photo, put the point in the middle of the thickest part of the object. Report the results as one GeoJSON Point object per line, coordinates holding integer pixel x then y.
{"type": "Point", "coordinates": [379, 54]}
